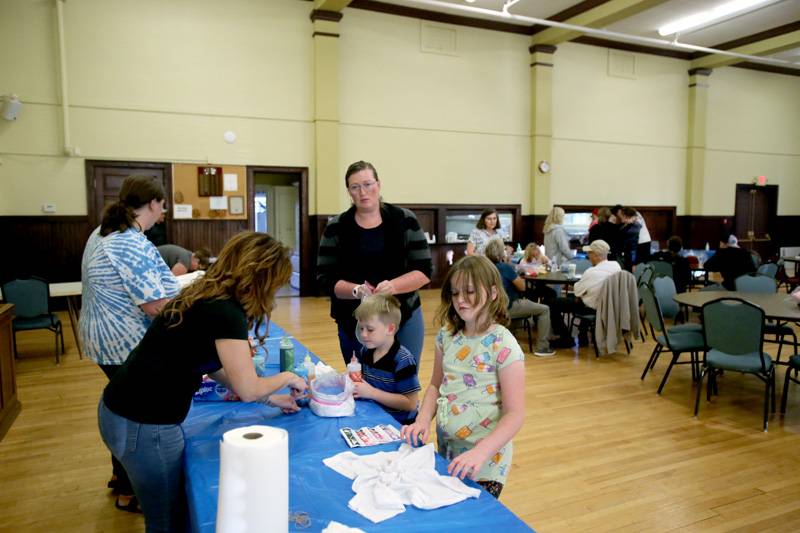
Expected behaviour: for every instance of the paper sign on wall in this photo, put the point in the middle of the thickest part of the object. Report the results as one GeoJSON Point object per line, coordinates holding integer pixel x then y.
{"type": "Point", "coordinates": [218, 203]}
{"type": "Point", "coordinates": [231, 182]}
{"type": "Point", "coordinates": [181, 211]}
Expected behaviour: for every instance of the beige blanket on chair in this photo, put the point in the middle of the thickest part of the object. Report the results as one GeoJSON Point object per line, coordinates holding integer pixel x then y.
{"type": "Point", "coordinates": [617, 312]}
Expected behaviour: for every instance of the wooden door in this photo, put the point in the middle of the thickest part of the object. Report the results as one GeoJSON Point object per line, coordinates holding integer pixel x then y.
{"type": "Point", "coordinates": [756, 213]}
{"type": "Point", "coordinates": [104, 180]}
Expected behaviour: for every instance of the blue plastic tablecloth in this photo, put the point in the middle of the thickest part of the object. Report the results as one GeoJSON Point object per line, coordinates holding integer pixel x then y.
{"type": "Point", "coordinates": [313, 487]}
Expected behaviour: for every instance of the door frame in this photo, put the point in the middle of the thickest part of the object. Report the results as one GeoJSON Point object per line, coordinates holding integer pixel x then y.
{"type": "Point", "coordinates": [91, 185]}
{"type": "Point", "coordinates": [306, 265]}
{"type": "Point", "coordinates": [771, 192]}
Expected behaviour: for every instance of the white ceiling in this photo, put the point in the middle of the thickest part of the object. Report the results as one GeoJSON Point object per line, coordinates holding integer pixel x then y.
{"type": "Point", "coordinates": [646, 23]}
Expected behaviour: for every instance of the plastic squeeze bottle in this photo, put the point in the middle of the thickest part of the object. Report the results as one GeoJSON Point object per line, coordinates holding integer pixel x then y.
{"type": "Point", "coordinates": [287, 354]}
{"type": "Point", "coordinates": [354, 369]}
{"type": "Point", "coordinates": [311, 369]}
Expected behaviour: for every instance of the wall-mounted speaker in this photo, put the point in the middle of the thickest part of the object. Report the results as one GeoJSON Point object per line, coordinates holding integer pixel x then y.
{"type": "Point", "coordinates": [11, 107]}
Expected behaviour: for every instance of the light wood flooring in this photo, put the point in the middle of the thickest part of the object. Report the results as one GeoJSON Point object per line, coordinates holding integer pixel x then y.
{"type": "Point", "coordinates": [600, 451]}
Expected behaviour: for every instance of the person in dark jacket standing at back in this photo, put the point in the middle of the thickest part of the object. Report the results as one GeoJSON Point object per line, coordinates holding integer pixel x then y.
{"type": "Point", "coordinates": [606, 228]}
{"type": "Point", "coordinates": [373, 248]}
{"type": "Point", "coordinates": [628, 238]}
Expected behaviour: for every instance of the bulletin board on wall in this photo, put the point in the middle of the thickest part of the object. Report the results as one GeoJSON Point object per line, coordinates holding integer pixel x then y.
{"type": "Point", "coordinates": [190, 190]}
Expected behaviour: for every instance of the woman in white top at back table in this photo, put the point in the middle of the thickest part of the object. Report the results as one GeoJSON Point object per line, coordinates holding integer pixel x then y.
{"type": "Point", "coordinates": [487, 228]}
{"type": "Point", "coordinates": [556, 240]}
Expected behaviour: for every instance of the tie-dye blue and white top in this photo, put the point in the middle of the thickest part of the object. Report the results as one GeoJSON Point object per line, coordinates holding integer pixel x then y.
{"type": "Point", "coordinates": [120, 272]}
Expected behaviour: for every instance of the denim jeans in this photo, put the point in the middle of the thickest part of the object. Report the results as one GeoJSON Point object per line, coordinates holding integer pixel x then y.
{"type": "Point", "coordinates": [153, 458]}
{"type": "Point", "coordinates": [123, 483]}
{"type": "Point", "coordinates": [411, 335]}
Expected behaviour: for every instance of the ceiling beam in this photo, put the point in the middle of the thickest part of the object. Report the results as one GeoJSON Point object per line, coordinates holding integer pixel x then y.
{"type": "Point", "coordinates": [769, 46]}
{"type": "Point", "coordinates": [597, 17]}
{"type": "Point", "coordinates": [330, 5]}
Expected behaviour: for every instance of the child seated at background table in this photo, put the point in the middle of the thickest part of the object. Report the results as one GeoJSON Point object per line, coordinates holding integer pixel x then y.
{"type": "Point", "coordinates": [533, 259]}
{"type": "Point", "coordinates": [388, 369]}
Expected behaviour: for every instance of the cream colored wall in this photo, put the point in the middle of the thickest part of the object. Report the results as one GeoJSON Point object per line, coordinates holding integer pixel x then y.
{"type": "Point", "coordinates": [618, 140]}
{"type": "Point", "coordinates": [152, 81]}
{"type": "Point", "coordinates": [753, 129]}
{"type": "Point", "coordinates": [161, 81]}
{"type": "Point", "coordinates": [439, 128]}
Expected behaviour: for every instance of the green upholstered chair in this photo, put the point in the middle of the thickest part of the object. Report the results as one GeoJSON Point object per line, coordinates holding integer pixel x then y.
{"type": "Point", "coordinates": [794, 367]}
{"type": "Point", "coordinates": [676, 342]}
{"type": "Point", "coordinates": [31, 299]}
{"type": "Point", "coordinates": [780, 331]}
{"type": "Point", "coordinates": [734, 333]}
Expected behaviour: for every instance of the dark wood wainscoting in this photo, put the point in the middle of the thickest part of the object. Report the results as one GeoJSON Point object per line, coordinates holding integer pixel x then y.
{"type": "Point", "coordinates": [533, 229]}
{"type": "Point", "coordinates": [192, 234]}
{"type": "Point", "coordinates": [46, 246]}
{"type": "Point", "coordinates": [696, 231]}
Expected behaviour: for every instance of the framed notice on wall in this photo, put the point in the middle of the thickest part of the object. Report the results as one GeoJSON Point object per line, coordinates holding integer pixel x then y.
{"type": "Point", "coordinates": [236, 205]}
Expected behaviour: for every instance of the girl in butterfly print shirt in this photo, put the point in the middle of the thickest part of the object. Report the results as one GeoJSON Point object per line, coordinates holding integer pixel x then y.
{"type": "Point", "coordinates": [477, 391]}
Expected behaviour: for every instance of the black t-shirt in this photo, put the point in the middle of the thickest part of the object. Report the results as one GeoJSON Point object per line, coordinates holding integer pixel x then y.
{"type": "Point", "coordinates": [374, 266]}
{"type": "Point", "coordinates": [157, 382]}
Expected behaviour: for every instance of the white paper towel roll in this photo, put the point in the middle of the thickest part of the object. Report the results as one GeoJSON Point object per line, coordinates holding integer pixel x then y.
{"type": "Point", "coordinates": [253, 480]}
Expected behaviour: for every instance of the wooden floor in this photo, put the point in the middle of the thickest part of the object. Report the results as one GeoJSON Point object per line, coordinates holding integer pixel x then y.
{"type": "Point", "coordinates": [599, 451]}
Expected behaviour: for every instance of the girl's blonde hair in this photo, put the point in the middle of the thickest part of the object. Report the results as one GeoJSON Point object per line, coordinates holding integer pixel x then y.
{"type": "Point", "coordinates": [479, 272]}
{"type": "Point", "coordinates": [531, 249]}
{"type": "Point", "coordinates": [554, 217]}
{"type": "Point", "coordinates": [249, 269]}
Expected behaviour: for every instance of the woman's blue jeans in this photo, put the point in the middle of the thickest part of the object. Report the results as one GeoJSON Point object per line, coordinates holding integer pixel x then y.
{"type": "Point", "coordinates": [411, 335]}
{"type": "Point", "coordinates": [153, 458]}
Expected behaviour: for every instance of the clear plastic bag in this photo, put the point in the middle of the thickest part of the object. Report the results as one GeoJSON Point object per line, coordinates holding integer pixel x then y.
{"type": "Point", "coordinates": [332, 396]}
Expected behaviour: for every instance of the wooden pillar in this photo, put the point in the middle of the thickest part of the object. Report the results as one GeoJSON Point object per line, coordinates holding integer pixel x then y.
{"type": "Point", "coordinates": [326, 110]}
{"type": "Point", "coordinates": [542, 56]}
{"type": "Point", "coordinates": [696, 149]}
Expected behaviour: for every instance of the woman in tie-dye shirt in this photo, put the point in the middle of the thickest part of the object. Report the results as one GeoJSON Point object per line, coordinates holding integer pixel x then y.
{"type": "Point", "coordinates": [477, 390]}
{"type": "Point", "coordinates": [125, 284]}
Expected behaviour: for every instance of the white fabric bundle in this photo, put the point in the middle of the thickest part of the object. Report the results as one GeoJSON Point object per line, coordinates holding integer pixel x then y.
{"type": "Point", "coordinates": [336, 527]}
{"type": "Point", "coordinates": [385, 482]}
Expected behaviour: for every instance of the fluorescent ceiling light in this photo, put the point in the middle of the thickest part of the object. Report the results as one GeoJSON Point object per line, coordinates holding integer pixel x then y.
{"type": "Point", "coordinates": [705, 18]}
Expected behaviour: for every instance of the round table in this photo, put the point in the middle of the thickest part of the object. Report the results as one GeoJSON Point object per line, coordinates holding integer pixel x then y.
{"type": "Point", "coordinates": [552, 278]}
{"type": "Point", "coordinates": [776, 306]}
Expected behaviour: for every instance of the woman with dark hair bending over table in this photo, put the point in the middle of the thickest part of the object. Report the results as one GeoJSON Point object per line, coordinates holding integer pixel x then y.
{"type": "Point", "coordinates": [204, 330]}
{"type": "Point", "coordinates": [373, 247]}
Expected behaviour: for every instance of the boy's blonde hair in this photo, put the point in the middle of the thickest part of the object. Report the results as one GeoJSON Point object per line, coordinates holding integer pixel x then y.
{"type": "Point", "coordinates": [384, 307]}
{"type": "Point", "coordinates": [482, 274]}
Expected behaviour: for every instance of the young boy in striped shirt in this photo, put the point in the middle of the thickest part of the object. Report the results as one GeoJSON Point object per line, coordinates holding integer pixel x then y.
{"type": "Point", "coordinates": [389, 370]}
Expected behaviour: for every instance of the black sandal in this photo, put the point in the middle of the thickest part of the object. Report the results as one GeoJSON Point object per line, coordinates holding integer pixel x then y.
{"type": "Point", "coordinates": [131, 507]}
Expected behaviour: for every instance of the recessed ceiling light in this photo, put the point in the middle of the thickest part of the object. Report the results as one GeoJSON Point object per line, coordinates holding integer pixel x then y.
{"type": "Point", "coordinates": [705, 18]}
{"type": "Point", "coordinates": [470, 1]}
